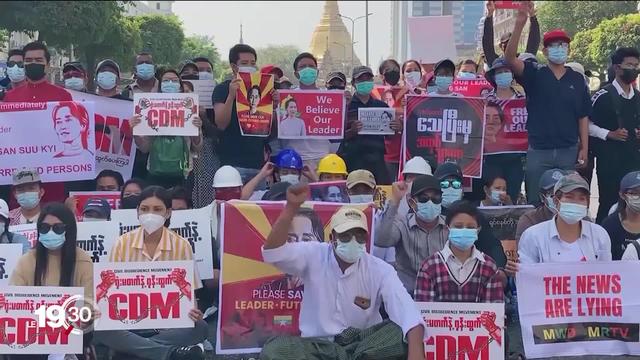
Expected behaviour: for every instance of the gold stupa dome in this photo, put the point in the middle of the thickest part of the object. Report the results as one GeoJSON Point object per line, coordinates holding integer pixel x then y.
{"type": "Point", "coordinates": [331, 36]}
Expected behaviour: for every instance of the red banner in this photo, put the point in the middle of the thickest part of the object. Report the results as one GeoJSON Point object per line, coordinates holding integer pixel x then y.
{"type": "Point", "coordinates": [254, 104]}
{"type": "Point", "coordinates": [311, 114]}
{"type": "Point", "coordinates": [471, 88]}
{"type": "Point", "coordinates": [507, 4]}
{"type": "Point", "coordinates": [505, 128]}
{"type": "Point", "coordinates": [112, 197]}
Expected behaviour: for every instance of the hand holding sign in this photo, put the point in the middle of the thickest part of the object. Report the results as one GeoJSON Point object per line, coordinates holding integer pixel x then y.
{"type": "Point", "coordinates": [297, 194]}
{"type": "Point", "coordinates": [491, 8]}
{"type": "Point", "coordinates": [398, 190]}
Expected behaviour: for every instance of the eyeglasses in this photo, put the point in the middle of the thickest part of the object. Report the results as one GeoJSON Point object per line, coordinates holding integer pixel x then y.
{"type": "Point", "coordinates": [450, 183]}
{"type": "Point", "coordinates": [361, 237]}
{"type": "Point", "coordinates": [437, 199]}
{"type": "Point", "coordinates": [14, 63]}
{"type": "Point", "coordinates": [559, 44]}
{"type": "Point", "coordinates": [58, 228]}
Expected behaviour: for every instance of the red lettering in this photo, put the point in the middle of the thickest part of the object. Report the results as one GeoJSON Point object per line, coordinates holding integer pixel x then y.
{"type": "Point", "coordinates": [113, 135]}
{"type": "Point", "coordinates": [114, 312]}
{"type": "Point", "coordinates": [478, 352]}
{"type": "Point", "coordinates": [555, 285]}
{"type": "Point", "coordinates": [554, 308]}
{"type": "Point", "coordinates": [140, 305]}
{"type": "Point", "coordinates": [449, 348]}
{"type": "Point", "coordinates": [168, 309]}
{"type": "Point", "coordinates": [26, 331]}
{"type": "Point", "coordinates": [153, 118]}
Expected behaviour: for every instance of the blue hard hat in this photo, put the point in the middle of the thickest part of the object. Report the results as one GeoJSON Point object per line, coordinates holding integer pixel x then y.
{"type": "Point", "coordinates": [288, 159]}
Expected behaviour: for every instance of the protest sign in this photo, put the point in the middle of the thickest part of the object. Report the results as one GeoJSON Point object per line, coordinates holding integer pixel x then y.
{"type": "Point", "coordinates": [503, 222]}
{"type": "Point", "coordinates": [381, 196]}
{"type": "Point", "coordinates": [204, 89]}
{"type": "Point", "coordinates": [507, 4]}
{"type": "Point", "coordinates": [376, 121]}
{"type": "Point", "coordinates": [311, 114]}
{"type": "Point", "coordinates": [576, 309]}
{"type": "Point", "coordinates": [391, 95]}
{"type": "Point", "coordinates": [254, 104]}
{"type": "Point", "coordinates": [112, 197]}
{"type": "Point", "coordinates": [27, 230]}
{"type": "Point", "coordinates": [193, 225]}
{"type": "Point", "coordinates": [472, 87]}
{"type": "Point", "coordinates": [26, 326]}
{"type": "Point", "coordinates": [445, 129]}
{"type": "Point", "coordinates": [256, 300]}
{"type": "Point", "coordinates": [115, 148]}
{"type": "Point", "coordinates": [62, 148]}
{"type": "Point", "coordinates": [505, 128]}
{"type": "Point", "coordinates": [9, 255]}
{"type": "Point", "coordinates": [166, 114]}
{"type": "Point", "coordinates": [329, 191]}
{"type": "Point", "coordinates": [97, 238]}
{"type": "Point", "coordinates": [144, 295]}
{"type": "Point", "coordinates": [463, 330]}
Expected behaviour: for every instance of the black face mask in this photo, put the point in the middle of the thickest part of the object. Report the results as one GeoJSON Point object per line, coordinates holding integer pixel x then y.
{"type": "Point", "coordinates": [130, 202]}
{"type": "Point", "coordinates": [190, 77]}
{"type": "Point", "coordinates": [276, 85]}
{"type": "Point", "coordinates": [335, 87]}
{"type": "Point", "coordinates": [34, 72]}
{"type": "Point", "coordinates": [629, 75]}
{"type": "Point", "coordinates": [392, 77]}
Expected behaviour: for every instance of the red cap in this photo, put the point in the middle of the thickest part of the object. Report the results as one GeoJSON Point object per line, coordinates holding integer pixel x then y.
{"type": "Point", "coordinates": [554, 35]}
{"type": "Point", "coordinates": [270, 69]}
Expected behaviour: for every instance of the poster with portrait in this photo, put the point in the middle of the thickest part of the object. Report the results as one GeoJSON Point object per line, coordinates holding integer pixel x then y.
{"type": "Point", "coordinates": [56, 138]}
{"type": "Point", "coordinates": [445, 129]}
{"type": "Point", "coordinates": [479, 87]}
{"type": "Point", "coordinates": [311, 114]}
{"type": "Point", "coordinates": [376, 121]}
{"type": "Point", "coordinates": [391, 95]}
{"type": "Point", "coordinates": [256, 300]}
{"type": "Point", "coordinates": [381, 196]}
{"type": "Point", "coordinates": [329, 191]}
{"type": "Point", "coordinates": [254, 104]}
{"type": "Point", "coordinates": [503, 222]}
{"type": "Point", "coordinates": [505, 127]}
{"type": "Point", "coordinates": [166, 114]}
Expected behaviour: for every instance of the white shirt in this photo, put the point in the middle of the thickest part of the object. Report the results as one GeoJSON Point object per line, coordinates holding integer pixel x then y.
{"type": "Point", "coordinates": [328, 304]}
{"type": "Point", "coordinates": [386, 254]}
{"type": "Point", "coordinates": [309, 149]}
{"type": "Point", "coordinates": [630, 253]}
{"type": "Point", "coordinates": [292, 127]}
{"type": "Point", "coordinates": [567, 252]}
{"type": "Point", "coordinates": [621, 92]}
{"type": "Point", "coordinates": [541, 243]}
{"type": "Point", "coordinates": [458, 270]}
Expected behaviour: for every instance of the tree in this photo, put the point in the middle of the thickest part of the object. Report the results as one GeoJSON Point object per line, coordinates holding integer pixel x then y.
{"type": "Point", "coordinates": [576, 16]}
{"type": "Point", "coordinates": [202, 45]}
{"type": "Point", "coordinates": [280, 55]}
{"type": "Point", "coordinates": [162, 36]}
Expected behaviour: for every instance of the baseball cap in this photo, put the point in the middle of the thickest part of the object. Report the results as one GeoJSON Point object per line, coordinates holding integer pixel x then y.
{"type": "Point", "coordinates": [336, 75]}
{"type": "Point", "coordinates": [348, 218]}
{"type": "Point", "coordinates": [555, 35]}
{"type": "Point", "coordinates": [277, 192]}
{"type": "Point", "coordinates": [448, 169]}
{"type": "Point", "coordinates": [446, 62]}
{"type": "Point", "coordinates": [527, 57]}
{"type": "Point", "coordinates": [285, 79]}
{"type": "Point", "coordinates": [187, 63]}
{"type": "Point", "coordinates": [630, 181]}
{"type": "Point", "coordinates": [269, 69]}
{"type": "Point", "coordinates": [571, 182]}
{"type": "Point", "coordinates": [73, 65]}
{"type": "Point", "coordinates": [497, 64]}
{"type": "Point", "coordinates": [108, 62]}
{"type": "Point", "coordinates": [360, 70]}
{"type": "Point", "coordinates": [550, 178]}
{"type": "Point", "coordinates": [361, 177]}
{"type": "Point", "coordinates": [4, 209]}
{"type": "Point", "coordinates": [25, 176]}
{"type": "Point", "coordinates": [101, 206]}
{"type": "Point", "coordinates": [423, 183]}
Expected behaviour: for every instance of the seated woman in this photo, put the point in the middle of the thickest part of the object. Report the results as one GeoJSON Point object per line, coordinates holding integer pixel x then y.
{"type": "Point", "coordinates": [623, 226]}
{"type": "Point", "coordinates": [130, 194]}
{"type": "Point", "coordinates": [460, 272]}
{"type": "Point", "coordinates": [495, 192]}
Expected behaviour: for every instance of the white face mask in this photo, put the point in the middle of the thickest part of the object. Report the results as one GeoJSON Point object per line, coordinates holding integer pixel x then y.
{"type": "Point", "coordinates": [205, 75]}
{"type": "Point", "coordinates": [350, 251]}
{"type": "Point", "coordinates": [247, 69]}
{"type": "Point", "coordinates": [151, 222]}
{"type": "Point", "coordinates": [292, 179]}
{"type": "Point", "coordinates": [361, 199]}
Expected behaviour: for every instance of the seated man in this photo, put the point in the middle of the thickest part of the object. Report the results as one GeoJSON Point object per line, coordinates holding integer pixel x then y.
{"type": "Point", "coordinates": [96, 209]}
{"type": "Point", "coordinates": [344, 288]}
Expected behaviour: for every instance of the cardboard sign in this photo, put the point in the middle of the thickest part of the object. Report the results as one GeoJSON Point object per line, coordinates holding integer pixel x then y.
{"type": "Point", "coordinates": [376, 121]}
{"type": "Point", "coordinates": [9, 256]}
{"type": "Point", "coordinates": [507, 4]}
{"type": "Point", "coordinates": [479, 87]}
{"type": "Point", "coordinates": [505, 127]}
{"type": "Point", "coordinates": [463, 330]}
{"type": "Point", "coordinates": [144, 295]}
{"type": "Point", "coordinates": [62, 149]}
{"type": "Point", "coordinates": [204, 89]}
{"type": "Point", "coordinates": [112, 197]}
{"type": "Point", "coordinates": [503, 222]}
{"type": "Point", "coordinates": [19, 308]}
{"type": "Point", "coordinates": [27, 230]}
{"type": "Point", "coordinates": [329, 191]}
{"type": "Point", "coordinates": [381, 196]}
{"type": "Point", "coordinates": [254, 104]}
{"type": "Point", "coordinates": [311, 114]}
{"type": "Point", "coordinates": [166, 114]}
{"type": "Point", "coordinates": [97, 238]}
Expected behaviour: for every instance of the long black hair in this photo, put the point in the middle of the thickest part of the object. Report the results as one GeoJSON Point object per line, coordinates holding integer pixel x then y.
{"type": "Point", "coordinates": [68, 258]}
{"type": "Point", "coordinates": [161, 193]}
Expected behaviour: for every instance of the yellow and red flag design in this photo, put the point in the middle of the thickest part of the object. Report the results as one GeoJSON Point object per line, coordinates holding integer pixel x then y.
{"type": "Point", "coordinates": [254, 104]}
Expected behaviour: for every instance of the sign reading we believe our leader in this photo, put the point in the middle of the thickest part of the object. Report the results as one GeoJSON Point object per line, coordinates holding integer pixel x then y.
{"type": "Point", "coordinates": [311, 114]}
{"type": "Point", "coordinates": [574, 309]}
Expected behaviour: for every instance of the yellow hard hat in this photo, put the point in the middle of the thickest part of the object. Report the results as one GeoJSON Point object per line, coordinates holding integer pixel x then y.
{"type": "Point", "coordinates": [332, 164]}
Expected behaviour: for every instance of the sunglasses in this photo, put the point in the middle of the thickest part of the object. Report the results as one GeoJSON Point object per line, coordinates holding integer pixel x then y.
{"type": "Point", "coordinates": [437, 199]}
{"type": "Point", "coordinates": [450, 183]}
{"type": "Point", "coordinates": [14, 63]}
{"type": "Point", "coordinates": [58, 228]}
{"type": "Point", "coordinates": [361, 237]}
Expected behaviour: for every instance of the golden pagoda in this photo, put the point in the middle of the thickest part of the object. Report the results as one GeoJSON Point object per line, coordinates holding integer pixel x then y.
{"type": "Point", "coordinates": [331, 42]}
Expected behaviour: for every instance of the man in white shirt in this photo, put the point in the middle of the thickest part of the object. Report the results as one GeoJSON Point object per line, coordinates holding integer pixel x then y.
{"type": "Point", "coordinates": [344, 288]}
{"type": "Point", "coordinates": [28, 190]}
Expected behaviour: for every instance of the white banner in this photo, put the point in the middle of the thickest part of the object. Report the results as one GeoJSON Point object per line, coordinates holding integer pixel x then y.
{"type": "Point", "coordinates": [57, 138]}
{"type": "Point", "coordinates": [9, 255]}
{"type": "Point", "coordinates": [576, 309]}
{"type": "Point", "coordinates": [204, 89]}
{"type": "Point", "coordinates": [194, 225]}
{"type": "Point", "coordinates": [144, 295]}
{"type": "Point", "coordinates": [115, 148]}
{"type": "Point", "coordinates": [376, 121]}
{"type": "Point", "coordinates": [463, 330]}
{"type": "Point", "coordinates": [27, 230]}
{"type": "Point", "coordinates": [97, 238]}
{"type": "Point", "coordinates": [166, 114]}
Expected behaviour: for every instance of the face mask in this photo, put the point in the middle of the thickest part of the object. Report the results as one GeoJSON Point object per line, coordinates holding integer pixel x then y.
{"type": "Point", "coordinates": [16, 73]}
{"type": "Point", "coordinates": [557, 55]}
{"type": "Point", "coordinates": [503, 80]}
{"type": "Point", "coordinates": [428, 211]}
{"type": "Point", "coordinates": [228, 194]}
{"type": "Point", "coordinates": [463, 239]}
{"type": "Point", "coordinates": [450, 195]}
{"type": "Point", "coordinates": [189, 77]}
{"type": "Point", "coordinates": [629, 75]}
{"type": "Point", "coordinates": [335, 87]}
{"type": "Point", "coordinates": [170, 87]}
{"type": "Point", "coordinates": [151, 222]}
{"type": "Point", "coordinates": [107, 80]}
{"type": "Point", "coordinates": [572, 213]}
{"type": "Point", "coordinates": [412, 78]}
{"type": "Point", "coordinates": [130, 202]}
{"type": "Point", "coordinates": [634, 204]}
{"type": "Point", "coordinates": [145, 71]}
{"type": "Point", "coordinates": [364, 88]}
{"type": "Point", "coordinates": [28, 200]}
{"type": "Point", "coordinates": [551, 204]}
{"type": "Point", "coordinates": [443, 83]}
{"type": "Point", "coordinates": [361, 199]}
{"type": "Point", "coordinates": [308, 76]}
{"type": "Point", "coordinates": [392, 77]}
{"type": "Point", "coordinates": [51, 240]}
{"type": "Point", "coordinates": [247, 69]}
{"type": "Point", "coordinates": [205, 75]}
{"type": "Point", "coordinates": [466, 75]}
{"type": "Point", "coordinates": [34, 71]}
{"type": "Point", "coordinates": [350, 251]}
{"type": "Point", "coordinates": [292, 179]}
{"type": "Point", "coordinates": [495, 196]}
{"type": "Point", "coordinates": [90, 219]}
{"type": "Point", "coordinates": [74, 83]}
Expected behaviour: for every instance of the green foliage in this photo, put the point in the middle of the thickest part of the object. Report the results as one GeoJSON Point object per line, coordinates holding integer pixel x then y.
{"type": "Point", "coordinates": [280, 55]}
{"type": "Point", "coordinates": [162, 36]}
{"type": "Point", "coordinates": [576, 16]}
{"type": "Point", "coordinates": [201, 45]}
{"type": "Point", "coordinates": [4, 39]}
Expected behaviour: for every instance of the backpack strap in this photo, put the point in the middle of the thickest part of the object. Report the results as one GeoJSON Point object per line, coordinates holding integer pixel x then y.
{"type": "Point", "coordinates": [637, 246]}
{"type": "Point", "coordinates": [10, 237]}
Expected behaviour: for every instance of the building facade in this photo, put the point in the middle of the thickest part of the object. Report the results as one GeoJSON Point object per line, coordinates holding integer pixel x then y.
{"type": "Point", "coordinates": [137, 8]}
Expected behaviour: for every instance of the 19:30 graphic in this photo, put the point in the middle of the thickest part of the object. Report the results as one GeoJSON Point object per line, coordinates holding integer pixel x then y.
{"type": "Point", "coordinates": [67, 315]}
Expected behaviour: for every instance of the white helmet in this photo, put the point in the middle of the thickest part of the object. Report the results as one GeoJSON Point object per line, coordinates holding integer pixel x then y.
{"type": "Point", "coordinates": [227, 176]}
{"type": "Point", "coordinates": [4, 209]}
{"type": "Point", "coordinates": [417, 165]}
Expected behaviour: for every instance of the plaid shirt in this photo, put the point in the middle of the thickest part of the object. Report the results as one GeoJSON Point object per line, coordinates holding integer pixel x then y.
{"type": "Point", "coordinates": [435, 282]}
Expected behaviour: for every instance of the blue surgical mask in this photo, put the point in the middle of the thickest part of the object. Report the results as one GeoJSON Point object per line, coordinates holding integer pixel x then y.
{"type": "Point", "coordinates": [465, 75]}
{"type": "Point", "coordinates": [28, 200]}
{"type": "Point", "coordinates": [16, 73]}
{"type": "Point", "coordinates": [428, 211]}
{"type": "Point", "coordinates": [443, 83]}
{"type": "Point", "coordinates": [308, 76]}
{"type": "Point", "coordinates": [431, 89]}
{"type": "Point", "coordinates": [557, 54]}
{"type": "Point", "coordinates": [495, 196]}
{"type": "Point", "coordinates": [145, 71]}
{"type": "Point", "coordinates": [450, 195]}
{"type": "Point", "coordinates": [106, 80]}
{"type": "Point", "coordinates": [364, 88]}
{"type": "Point", "coordinates": [463, 239]}
{"type": "Point", "coordinates": [550, 203]}
{"type": "Point", "coordinates": [350, 251]}
{"type": "Point", "coordinates": [205, 75]}
{"type": "Point", "coordinates": [361, 199]}
{"type": "Point", "coordinates": [51, 240]}
{"type": "Point", "coordinates": [504, 80]}
{"type": "Point", "coordinates": [572, 213]}
{"type": "Point", "coordinates": [74, 83]}
{"type": "Point", "coordinates": [170, 87]}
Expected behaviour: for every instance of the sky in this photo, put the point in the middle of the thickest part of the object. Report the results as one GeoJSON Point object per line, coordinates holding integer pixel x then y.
{"type": "Point", "coordinates": [283, 23]}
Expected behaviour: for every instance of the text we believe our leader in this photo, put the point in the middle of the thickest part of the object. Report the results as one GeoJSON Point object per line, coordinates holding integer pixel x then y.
{"type": "Point", "coordinates": [599, 295]}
